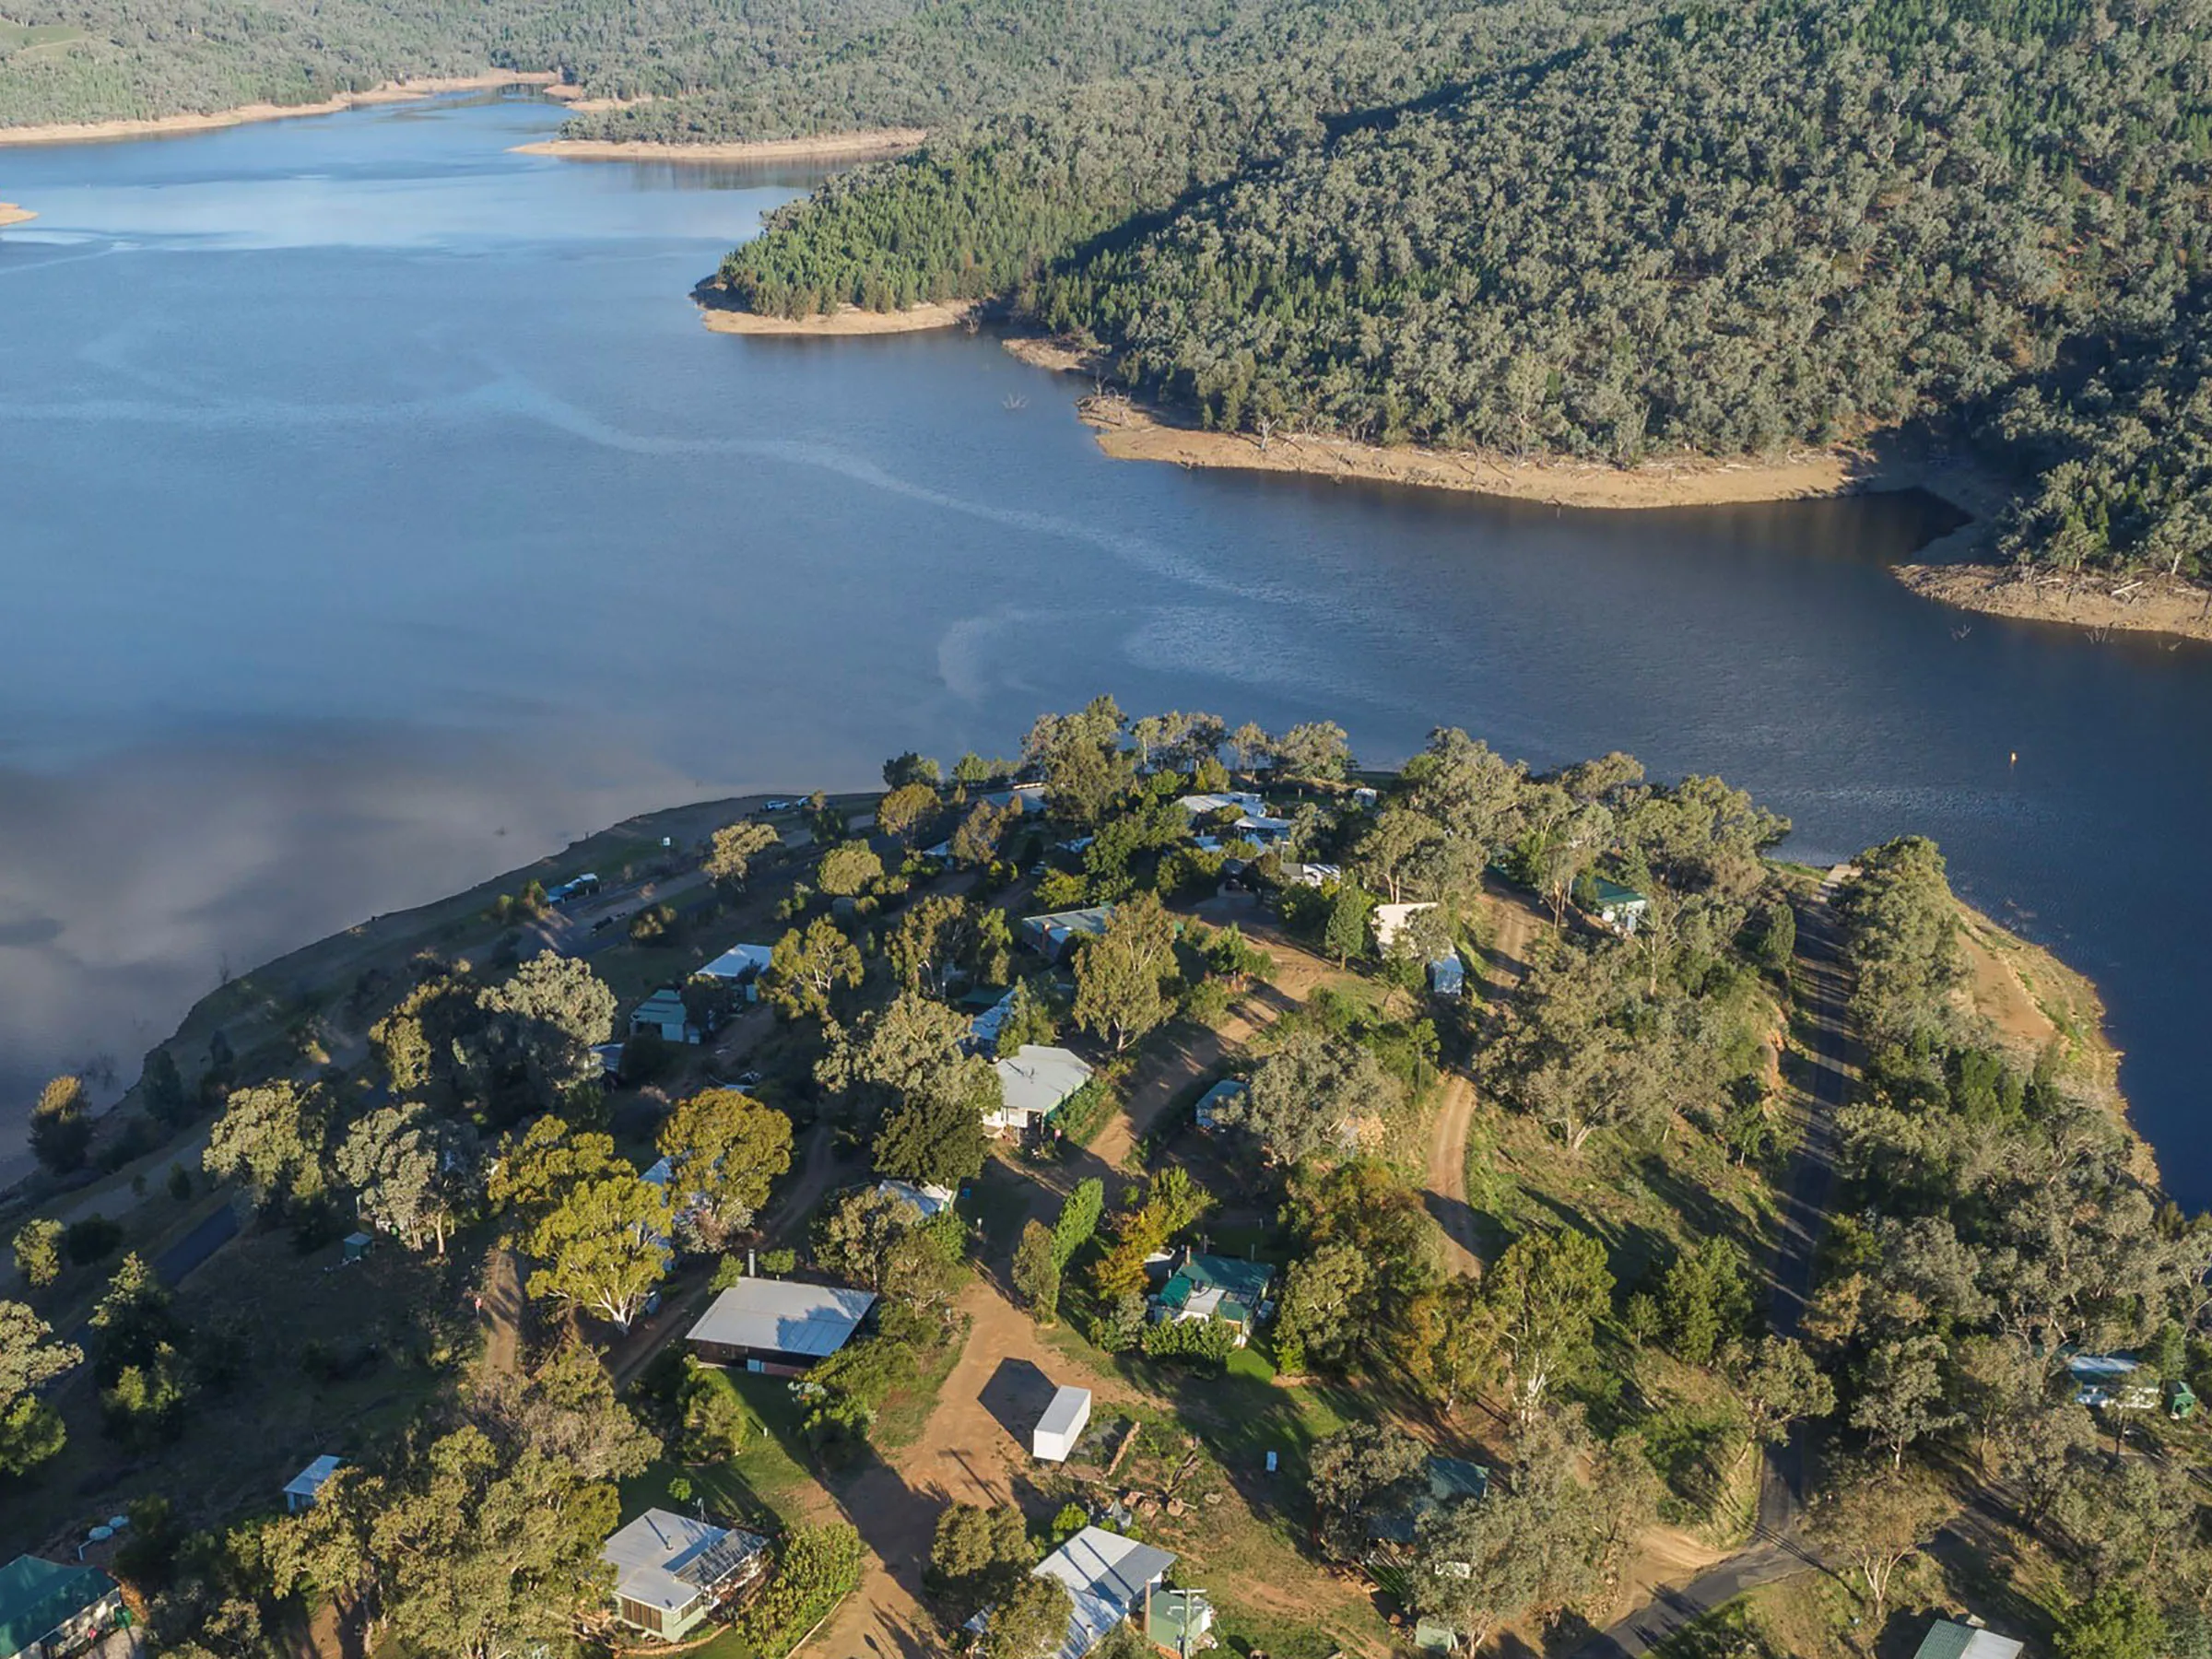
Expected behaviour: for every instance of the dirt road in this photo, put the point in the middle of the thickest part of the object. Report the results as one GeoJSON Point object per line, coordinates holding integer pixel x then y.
{"type": "Point", "coordinates": [1445, 1190]}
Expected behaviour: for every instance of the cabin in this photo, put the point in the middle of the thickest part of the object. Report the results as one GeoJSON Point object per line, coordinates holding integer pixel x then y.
{"type": "Point", "coordinates": [1035, 1082]}
{"type": "Point", "coordinates": [47, 1609]}
{"type": "Point", "coordinates": [1055, 934]}
{"type": "Point", "coordinates": [1948, 1639]}
{"type": "Point", "coordinates": [1061, 1425]}
{"type": "Point", "coordinates": [672, 1570]}
{"type": "Point", "coordinates": [2113, 1379]}
{"type": "Point", "coordinates": [1448, 977]}
{"type": "Point", "coordinates": [1620, 908]}
{"type": "Point", "coordinates": [664, 1016]}
{"type": "Point", "coordinates": [929, 1201]}
{"type": "Point", "coordinates": [779, 1327]}
{"type": "Point", "coordinates": [1109, 1580]}
{"type": "Point", "coordinates": [299, 1492]}
{"type": "Point", "coordinates": [1217, 1101]}
{"type": "Point", "coordinates": [741, 967]}
{"type": "Point", "coordinates": [1210, 1287]}
{"type": "Point", "coordinates": [1446, 1481]}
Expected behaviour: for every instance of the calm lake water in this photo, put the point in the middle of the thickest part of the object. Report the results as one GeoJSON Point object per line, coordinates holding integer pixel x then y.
{"type": "Point", "coordinates": [375, 515]}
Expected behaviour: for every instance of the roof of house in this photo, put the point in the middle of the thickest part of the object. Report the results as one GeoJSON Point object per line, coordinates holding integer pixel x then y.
{"type": "Point", "coordinates": [1390, 918]}
{"type": "Point", "coordinates": [1233, 800]}
{"type": "Point", "coordinates": [667, 1560]}
{"type": "Point", "coordinates": [783, 1317]}
{"type": "Point", "coordinates": [1069, 1407]}
{"type": "Point", "coordinates": [738, 961]}
{"type": "Point", "coordinates": [986, 1026]}
{"type": "Point", "coordinates": [1105, 1574]}
{"type": "Point", "coordinates": [1059, 923]}
{"type": "Point", "coordinates": [309, 1481]}
{"type": "Point", "coordinates": [664, 1007]}
{"type": "Point", "coordinates": [1945, 1639]}
{"type": "Point", "coordinates": [1219, 1096]}
{"type": "Point", "coordinates": [2101, 1365]}
{"type": "Point", "coordinates": [1451, 1481]}
{"type": "Point", "coordinates": [37, 1597]}
{"type": "Point", "coordinates": [1612, 893]}
{"type": "Point", "coordinates": [1218, 1288]}
{"type": "Point", "coordinates": [929, 1200]}
{"type": "Point", "coordinates": [1038, 1080]}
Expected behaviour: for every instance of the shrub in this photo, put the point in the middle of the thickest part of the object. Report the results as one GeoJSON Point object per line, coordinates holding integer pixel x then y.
{"type": "Point", "coordinates": [39, 1253]}
{"type": "Point", "coordinates": [89, 1239]}
{"type": "Point", "coordinates": [820, 1567]}
{"type": "Point", "coordinates": [1208, 1339]}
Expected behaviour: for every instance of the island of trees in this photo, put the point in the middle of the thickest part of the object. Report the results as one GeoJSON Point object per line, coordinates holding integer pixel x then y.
{"type": "Point", "coordinates": [1490, 1099]}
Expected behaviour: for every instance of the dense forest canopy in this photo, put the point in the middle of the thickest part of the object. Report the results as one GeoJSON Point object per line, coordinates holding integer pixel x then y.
{"type": "Point", "coordinates": [1719, 232]}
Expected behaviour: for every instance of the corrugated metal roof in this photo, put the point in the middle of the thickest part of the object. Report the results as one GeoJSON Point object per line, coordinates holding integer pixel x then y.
{"type": "Point", "coordinates": [1105, 1574]}
{"type": "Point", "coordinates": [779, 1316]}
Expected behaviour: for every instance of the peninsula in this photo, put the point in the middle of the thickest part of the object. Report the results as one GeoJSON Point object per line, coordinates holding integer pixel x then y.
{"type": "Point", "coordinates": [1187, 1147]}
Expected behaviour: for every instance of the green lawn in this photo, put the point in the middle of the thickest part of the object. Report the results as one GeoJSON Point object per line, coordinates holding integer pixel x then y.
{"type": "Point", "coordinates": [765, 1483]}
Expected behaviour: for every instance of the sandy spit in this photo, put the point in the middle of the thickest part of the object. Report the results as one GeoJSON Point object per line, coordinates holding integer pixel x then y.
{"type": "Point", "coordinates": [830, 147]}
{"type": "Point", "coordinates": [2162, 605]}
{"type": "Point", "coordinates": [12, 215]}
{"type": "Point", "coordinates": [845, 320]}
{"type": "Point", "coordinates": [85, 132]}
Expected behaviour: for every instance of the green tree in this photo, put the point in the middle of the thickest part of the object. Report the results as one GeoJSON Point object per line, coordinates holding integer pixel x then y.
{"type": "Point", "coordinates": [1037, 1271]}
{"type": "Point", "coordinates": [536, 1169]}
{"type": "Point", "coordinates": [936, 1139]}
{"type": "Point", "coordinates": [1874, 1520]}
{"type": "Point", "coordinates": [1548, 1292]}
{"type": "Point", "coordinates": [907, 811]}
{"type": "Point", "coordinates": [982, 834]}
{"type": "Point", "coordinates": [1031, 1623]}
{"type": "Point", "coordinates": [1308, 1097]}
{"type": "Point", "coordinates": [1779, 1385]}
{"type": "Point", "coordinates": [1360, 1474]}
{"type": "Point", "coordinates": [1316, 749]}
{"type": "Point", "coordinates": [412, 1172]}
{"type": "Point", "coordinates": [806, 969]}
{"type": "Point", "coordinates": [30, 1430]}
{"type": "Point", "coordinates": [1704, 1300]}
{"type": "Point", "coordinates": [725, 1150]}
{"type": "Point", "coordinates": [60, 1125]}
{"type": "Point", "coordinates": [1078, 1220]}
{"type": "Point", "coordinates": [735, 846]}
{"type": "Point", "coordinates": [1344, 933]}
{"type": "Point", "coordinates": [911, 771]}
{"type": "Point", "coordinates": [847, 869]}
{"type": "Point", "coordinates": [979, 1554]}
{"type": "Point", "coordinates": [272, 1137]}
{"type": "Point", "coordinates": [2117, 1622]}
{"type": "Point", "coordinates": [602, 1247]}
{"type": "Point", "coordinates": [1901, 1395]}
{"type": "Point", "coordinates": [1121, 974]}
{"type": "Point", "coordinates": [39, 1251]}
{"type": "Point", "coordinates": [161, 1089]}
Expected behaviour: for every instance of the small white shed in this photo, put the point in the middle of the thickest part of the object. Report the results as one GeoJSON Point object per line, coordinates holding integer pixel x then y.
{"type": "Point", "coordinates": [1062, 1425]}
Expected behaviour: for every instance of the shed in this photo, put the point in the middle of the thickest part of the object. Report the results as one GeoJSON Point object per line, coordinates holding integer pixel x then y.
{"type": "Point", "coordinates": [1448, 976]}
{"type": "Point", "coordinates": [1620, 908]}
{"type": "Point", "coordinates": [47, 1609]}
{"type": "Point", "coordinates": [300, 1491]}
{"type": "Point", "coordinates": [1949, 1639]}
{"type": "Point", "coordinates": [932, 1201]}
{"type": "Point", "coordinates": [356, 1245]}
{"type": "Point", "coordinates": [1062, 1425]}
{"type": "Point", "coordinates": [777, 1325]}
{"type": "Point", "coordinates": [663, 1014]}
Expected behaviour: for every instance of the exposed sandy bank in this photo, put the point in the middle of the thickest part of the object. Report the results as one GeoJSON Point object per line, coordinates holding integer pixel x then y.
{"type": "Point", "coordinates": [830, 147]}
{"type": "Point", "coordinates": [1132, 431]}
{"type": "Point", "coordinates": [12, 215]}
{"type": "Point", "coordinates": [2138, 605]}
{"type": "Point", "coordinates": [845, 320]}
{"type": "Point", "coordinates": [85, 131]}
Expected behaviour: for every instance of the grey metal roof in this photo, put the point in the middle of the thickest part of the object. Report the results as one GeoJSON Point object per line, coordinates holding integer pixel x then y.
{"type": "Point", "coordinates": [1069, 1407]}
{"type": "Point", "coordinates": [1105, 1574]}
{"type": "Point", "coordinates": [779, 1316]}
{"type": "Point", "coordinates": [309, 1481]}
{"type": "Point", "coordinates": [669, 1560]}
{"type": "Point", "coordinates": [1036, 1079]}
{"type": "Point", "coordinates": [1945, 1639]}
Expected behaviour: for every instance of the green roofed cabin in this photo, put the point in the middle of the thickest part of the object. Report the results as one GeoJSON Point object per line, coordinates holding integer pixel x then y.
{"type": "Point", "coordinates": [1620, 908]}
{"type": "Point", "coordinates": [1946, 1640]}
{"type": "Point", "coordinates": [48, 1611]}
{"type": "Point", "coordinates": [1212, 1287]}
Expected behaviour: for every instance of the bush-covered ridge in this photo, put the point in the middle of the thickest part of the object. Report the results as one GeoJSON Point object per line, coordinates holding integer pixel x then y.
{"type": "Point", "coordinates": [1716, 232]}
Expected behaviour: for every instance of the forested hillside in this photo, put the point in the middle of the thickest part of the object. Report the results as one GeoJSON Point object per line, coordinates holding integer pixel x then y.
{"type": "Point", "coordinates": [1720, 232]}
{"type": "Point", "coordinates": [89, 60]}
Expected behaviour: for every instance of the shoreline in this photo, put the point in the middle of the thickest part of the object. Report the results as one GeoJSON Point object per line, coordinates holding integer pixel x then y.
{"type": "Point", "coordinates": [156, 126]}
{"type": "Point", "coordinates": [1131, 431]}
{"type": "Point", "coordinates": [12, 215]}
{"type": "Point", "coordinates": [847, 322]}
{"type": "Point", "coordinates": [871, 145]}
{"type": "Point", "coordinates": [2151, 605]}
{"type": "Point", "coordinates": [1950, 570]}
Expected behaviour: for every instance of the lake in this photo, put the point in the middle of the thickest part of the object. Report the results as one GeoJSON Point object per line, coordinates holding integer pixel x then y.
{"type": "Point", "coordinates": [378, 516]}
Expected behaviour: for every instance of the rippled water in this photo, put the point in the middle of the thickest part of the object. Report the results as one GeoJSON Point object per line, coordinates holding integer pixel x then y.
{"type": "Point", "coordinates": [374, 515]}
